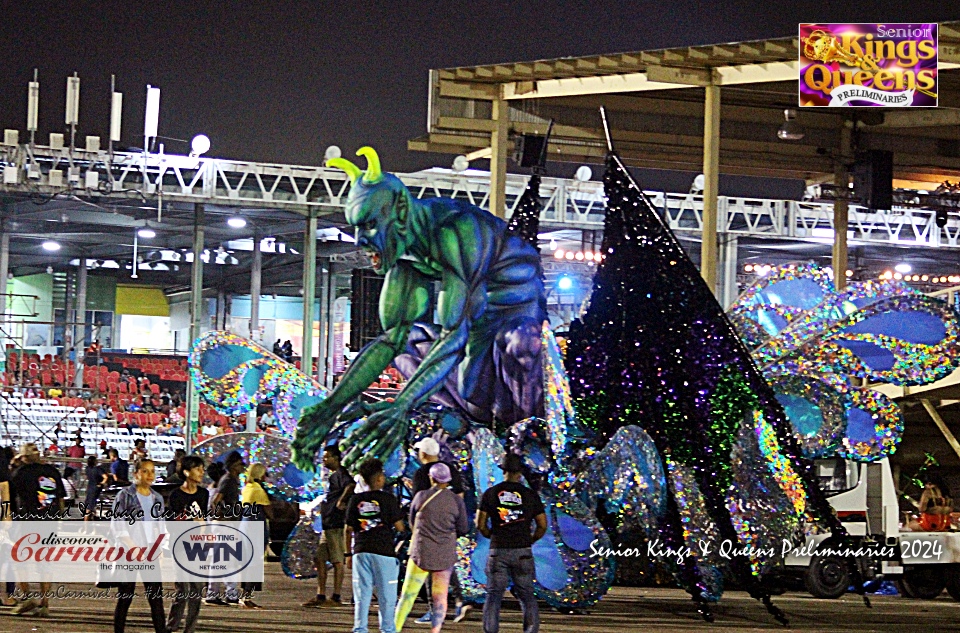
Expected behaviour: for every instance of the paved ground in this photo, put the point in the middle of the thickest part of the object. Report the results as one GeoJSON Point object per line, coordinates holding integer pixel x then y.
{"type": "Point", "coordinates": [623, 609]}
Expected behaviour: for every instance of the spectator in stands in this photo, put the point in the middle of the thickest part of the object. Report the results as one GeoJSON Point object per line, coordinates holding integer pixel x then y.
{"type": "Point", "coordinates": [36, 494]}
{"type": "Point", "coordinates": [189, 501]}
{"type": "Point", "coordinates": [139, 496]}
{"type": "Point", "coordinates": [173, 466]}
{"type": "Point", "coordinates": [287, 351]}
{"type": "Point", "coordinates": [56, 391]}
{"type": "Point", "coordinates": [101, 412]}
{"type": "Point", "coordinates": [176, 399]}
{"type": "Point", "coordinates": [267, 420]}
{"type": "Point", "coordinates": [278, 349]}
{"type": "Point", "coordinates": [56, 433]}
{"type": "Point", "coordinates": [259, 510]}
{"type": "Point", "coordinates": [97, 479]}
{"type": "Point", "coordinates": [119, 469]}
{"type": "Point", "coordinates": [165, 397]}
{"type": "Point", "coordinates": [77, 451]}
{"type": "Point", "coordinates": [226, 498]}
{"type": "Point", "coordinates": [134, 405]}
{"type": "Point", "coordinates": [139, 450]}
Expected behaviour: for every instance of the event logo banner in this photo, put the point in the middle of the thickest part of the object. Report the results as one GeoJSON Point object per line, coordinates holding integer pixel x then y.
{"type": "Point", "coordinates": [116, 552]}
{"type": "Point", "coordinates": [892, 65]}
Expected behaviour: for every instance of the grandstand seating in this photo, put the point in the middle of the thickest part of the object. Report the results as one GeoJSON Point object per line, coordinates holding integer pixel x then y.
{"type": "Point", "coordinates": [34, 420]}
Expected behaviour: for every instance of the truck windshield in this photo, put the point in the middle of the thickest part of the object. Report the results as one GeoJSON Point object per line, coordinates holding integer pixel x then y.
{"type": "Point", "coordinates": [836, 475]}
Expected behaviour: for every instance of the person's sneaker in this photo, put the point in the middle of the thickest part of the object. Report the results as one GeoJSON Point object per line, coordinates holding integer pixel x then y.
{"type": "Point", "coordinates": [426, 618]}
{"type": "Point", "coordinates": [249, 604]}
{"type": "Point", "coordinates": [25, 607]}
{"type": "Point", "coordinates": [313, 602]}
{"type": "Point", "coordinates": [232, 602]}
{"type": "Point", "coordinates": [42, 612]}
{"type": "Point", "coordinates": [215, 602]}
{"type": "Point", "coordinates": [330, 603]}
{"type": "Point", "coordinates": [461, 612]}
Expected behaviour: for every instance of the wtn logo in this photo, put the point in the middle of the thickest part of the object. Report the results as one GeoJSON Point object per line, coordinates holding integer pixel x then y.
{"type": "Point", "coordinates": [221, 551]}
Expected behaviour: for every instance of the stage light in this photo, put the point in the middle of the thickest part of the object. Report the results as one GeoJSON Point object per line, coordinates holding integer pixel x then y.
{"type": "Point", "coordinates": [51, 246]}
{"type": "Point", "coordinates": [903, 268]}
{"type": "Point", "coordinates": [553, 244]}
{"type": "Point", "coordinates": [849, 273]}
{"type": "Point", "coordinates": [199, 145]}
{"type": "Point", "coordinates": [897, 276]}
{"type": "Point", "coordinates": [748, 268]}
{"type": "Point", "coordinates": [579, 257]}
{"type": "Point", "coordinates": [147, 233]}
{"type": "Point", "coordinates": [568, 255]}
{"type": "Point", "coordinates": [790, 130]}
{"type": "Point", "coordinates": [565, 283]}
{"type": "Point", "coordinates": [236, 223]}
{"type": "Point", "coordinates": [583, 174]}
{"type": "Point", "coordinates": [558, 253]}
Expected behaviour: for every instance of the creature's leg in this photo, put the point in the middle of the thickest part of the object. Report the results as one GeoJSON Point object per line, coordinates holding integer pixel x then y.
{"type": "Point", "coordinates": [421, 339]}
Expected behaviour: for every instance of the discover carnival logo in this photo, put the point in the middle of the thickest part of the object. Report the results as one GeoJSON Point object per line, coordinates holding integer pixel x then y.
{"type": "Point", "coordinates": [892, 65]}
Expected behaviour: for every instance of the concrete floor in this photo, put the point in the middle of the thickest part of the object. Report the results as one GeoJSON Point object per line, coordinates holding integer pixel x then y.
{"type": "Point", "coordinates": [623, 609]}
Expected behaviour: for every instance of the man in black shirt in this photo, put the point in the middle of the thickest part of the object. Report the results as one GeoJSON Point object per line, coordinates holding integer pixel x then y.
{"type": "Point", "coordinates": [332, 514]}
{"type": "Point", "coordinates": [506, 513]}
{"type": "Point", "coordinates": [36, 494]}
{"type": "Point", "coordinates": [371, 515]}
{"type": "Point", "coordinates": [189, 501]}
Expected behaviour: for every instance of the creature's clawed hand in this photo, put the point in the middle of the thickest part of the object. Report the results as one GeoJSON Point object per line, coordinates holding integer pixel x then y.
{"type": "Point", "coordinates": [379, 436]}
{"type": "Point", "coordinates": [312, 429]}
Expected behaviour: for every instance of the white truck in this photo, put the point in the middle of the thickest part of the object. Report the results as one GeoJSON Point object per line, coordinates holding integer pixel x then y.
{"type": "Point", "coordinates": [865, 499]}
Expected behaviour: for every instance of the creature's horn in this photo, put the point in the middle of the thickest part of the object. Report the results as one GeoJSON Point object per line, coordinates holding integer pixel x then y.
{"type": "Point", "coordinates": [342, 163]}
{"type": "Point", "coordinates": [373, 173]}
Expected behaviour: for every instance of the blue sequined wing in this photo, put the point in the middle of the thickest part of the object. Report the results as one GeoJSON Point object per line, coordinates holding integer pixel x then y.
{"type": "Point", "coordinates": [777, 299]}
{"type": "Point", "coordinates": [905, 340]}
{"type": "Point", "coordinates": [233, 375]}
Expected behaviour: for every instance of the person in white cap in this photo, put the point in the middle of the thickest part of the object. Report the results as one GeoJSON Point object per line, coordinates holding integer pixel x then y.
{"type": "Point", "coordinates": [428, 452]}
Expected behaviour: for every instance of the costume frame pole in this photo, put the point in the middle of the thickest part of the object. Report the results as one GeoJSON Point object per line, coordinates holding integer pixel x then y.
{"type": "Point", "coordinates": [309, 292]}
{"type": "Point", "coordinates": [196, 317]}
{"type": "Point", "coordinates": [711, 181]}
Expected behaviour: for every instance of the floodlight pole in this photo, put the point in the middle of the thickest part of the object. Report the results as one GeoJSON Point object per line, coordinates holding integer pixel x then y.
{"type": "Point", "coordinates": [711, 179]}
{"type": "Point", "coordinates": [331, 299]}
{"type": "Point", "coordinates": [498, 158]}
{"type": "Point", "coordinates": [79, 342]}
{"type": "Point", "coordinates": [196, 316]}
{"type": "Point", "coordinates": [309, 292]}
{"type": "Point", "coordinates": [841, 208]}
{"type": "Point", "coordinates": [255, 273]}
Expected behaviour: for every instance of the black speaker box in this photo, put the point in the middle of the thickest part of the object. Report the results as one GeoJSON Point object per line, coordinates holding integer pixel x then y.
{"type": "Point", "coordinates": [873, 179]}
{"type": "Point", "coordinates": [530, 150]}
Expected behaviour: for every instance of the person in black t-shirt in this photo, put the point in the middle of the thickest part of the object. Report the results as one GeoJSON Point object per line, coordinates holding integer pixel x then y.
{"type": "Point", "coordinates": [371, 517]}
{"type": "Point", "coordinates": [36, 494]}
{"type": "Point", "coordinates": [225, 504]}
{"type": "Point", "coordinates": [506, 514]}
{"type": "Point", "coordinates": [332, 513]}
{"type": "Point", "coordinates": [189, 501]}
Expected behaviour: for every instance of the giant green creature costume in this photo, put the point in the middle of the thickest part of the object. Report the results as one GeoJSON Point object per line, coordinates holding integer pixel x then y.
{"type": "Point", "coordinates": [484, 354]}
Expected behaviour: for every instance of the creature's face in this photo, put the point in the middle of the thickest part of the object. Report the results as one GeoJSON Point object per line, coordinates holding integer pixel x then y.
{"type": "Point", "coordinates": [378, 212]}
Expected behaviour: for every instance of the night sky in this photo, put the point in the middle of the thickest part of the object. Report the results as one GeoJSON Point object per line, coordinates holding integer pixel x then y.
{"type": "Point", "coordinates": [280, 81]}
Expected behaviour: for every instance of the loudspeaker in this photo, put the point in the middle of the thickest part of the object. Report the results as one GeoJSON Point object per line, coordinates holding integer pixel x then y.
{"type": "Point", "coordinates": [873, 179]}
{"type": "Point", "coordinates": [365, 288]}
{"type": "Point", "coordinates": [530, 150]}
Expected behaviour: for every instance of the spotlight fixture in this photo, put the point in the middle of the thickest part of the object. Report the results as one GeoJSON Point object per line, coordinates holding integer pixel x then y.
{"type": "Point", "coordinates": [147, 233]}
{"type": "Point", "coordinates": [790, 130]}
{"type": "Point", "coordinates": [941, 218]}
{"type": "Point", "coordinates": [903, 268]}
{"type": "Point", "coordinates": [236, 223]}
{"type": "Point", "coordinates": [199, 145]}
{"type": "Point", "coordinates": [565, 283]}
{"type": "Point", "coordinates": [51, 246]}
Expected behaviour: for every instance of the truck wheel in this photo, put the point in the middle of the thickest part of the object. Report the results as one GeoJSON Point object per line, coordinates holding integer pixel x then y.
{"type": "Point", "coordinates": [925, 582]}
{"type": "Point", "coordinates": [827, 577]}
{"type": "Point", "coordinates": [953, 582]}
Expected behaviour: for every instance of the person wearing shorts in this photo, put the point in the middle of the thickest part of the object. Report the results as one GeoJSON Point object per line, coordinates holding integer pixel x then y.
{"type": "Point", "coordinates": [331, 548]}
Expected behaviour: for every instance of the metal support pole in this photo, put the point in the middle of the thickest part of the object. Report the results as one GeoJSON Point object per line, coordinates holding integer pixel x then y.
{"type": "Point", "coordinates": [711, 186]}
{"type": "Point", "coordinates": [68, 306]}
{"type": "Point", "coordinates": [935, 416]}
{"type": "Point", "coordinates": [728, 269]}
{"type": "Point", "coordinates": [196, 318]}
{"type": "Point", "coordinates": [331, 298]}
{"type": "Point", "coordinates": [841, 210]}
{"type": "Point", "coordinates": [322, 353]}
{"type": "Point", "coordinates": [498, 158]}
{"type": "Point", "coordinates": [309, 292]}
{"type": "Point", "coordinates": [4, 271]}
{"type": "Point", "coordinates": [221, 309]}
{"type": "Point", "coordinates": [80, 341]}
{"type": "Point", "coordinates": [255, 269]}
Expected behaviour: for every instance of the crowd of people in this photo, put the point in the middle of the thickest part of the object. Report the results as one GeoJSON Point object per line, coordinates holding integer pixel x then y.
{"type": "Point", "coordinates": [361, 522]}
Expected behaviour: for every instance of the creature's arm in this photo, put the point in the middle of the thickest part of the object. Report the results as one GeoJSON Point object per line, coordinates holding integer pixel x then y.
{"type": "Point", "coordinates": [465, 254]}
